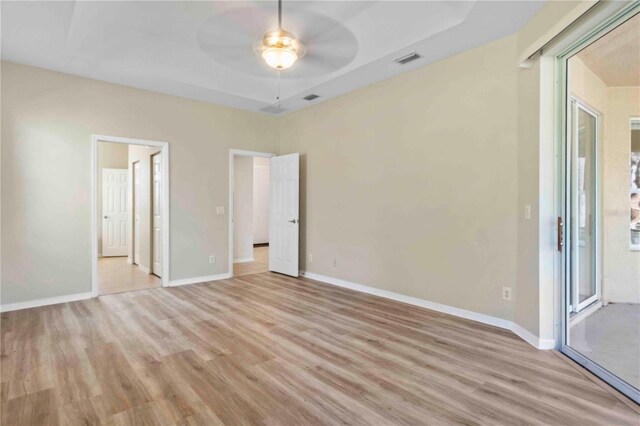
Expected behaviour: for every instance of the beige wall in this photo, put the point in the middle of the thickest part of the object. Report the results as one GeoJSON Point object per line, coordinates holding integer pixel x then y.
{"type": "Point", "coordinates": [526, 296]}
{"type": "Point", "coordinates": [243, 209]}
{"type": "Point", "coordinates": [415, 184]}
{"type": "Point", "coordinates": [142, 154]}
{"type": "Point", "coordinates": [47, 122]}
{"type": "Point", "coordinates": [621, 271]}
{"type": "Point", "coordinates": [588, 87]}
{"type": "Point", "coordinates": [411, 184]}
{"type": "Point", "coordinates": [110, 156]}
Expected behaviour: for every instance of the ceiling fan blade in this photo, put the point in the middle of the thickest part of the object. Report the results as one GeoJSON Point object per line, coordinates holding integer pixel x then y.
{"type": "Point", "coordinates": [233, 38]}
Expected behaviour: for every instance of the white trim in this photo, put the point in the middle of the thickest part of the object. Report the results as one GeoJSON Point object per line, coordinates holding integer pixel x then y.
{"type": "Point", "coordinates": [44, 302]}
{"type": "Point", "coordinates": [232, 153]}
{"type": "Point", "coordinates": [550, 260]}
{"type": "Point", "coordinates": [145, 270]}
{"type": "Point", "coordinates": [198, 280]}
{"type": "Point", "coordinates": [244, 260]}
{"type": "Point", "coordinates": [524, 334]}
{"type": "Point", "coordinates": [94, 203]}
{"type": "Point", "coordinates": [532, 339]}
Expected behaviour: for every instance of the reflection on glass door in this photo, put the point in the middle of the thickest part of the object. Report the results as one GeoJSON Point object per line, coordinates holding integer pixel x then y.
{"type": "Point", "coordinates": [584, 203]}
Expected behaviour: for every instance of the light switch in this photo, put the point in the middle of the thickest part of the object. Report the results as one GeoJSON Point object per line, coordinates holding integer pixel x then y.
{"type": "Point", "coordinates": [220, 210]}
{"type": "Point", "coordinates": [527, 211]}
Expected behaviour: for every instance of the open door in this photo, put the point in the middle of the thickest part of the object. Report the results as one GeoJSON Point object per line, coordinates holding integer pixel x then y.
{"type": "Point", "coordinates": [156, 207]}
{"type": "Point", "coordinates": [136, 213]}
{"type": "Point", "coordinates": [114, 212]}
{"type": "Point", "coordinates": [284, 209]}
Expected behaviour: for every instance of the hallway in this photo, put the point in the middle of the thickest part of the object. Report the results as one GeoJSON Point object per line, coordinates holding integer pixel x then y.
{"type": "Point", "coordinates": [260, 263]}
{"type": "Point", "coordinates": [115, 275]}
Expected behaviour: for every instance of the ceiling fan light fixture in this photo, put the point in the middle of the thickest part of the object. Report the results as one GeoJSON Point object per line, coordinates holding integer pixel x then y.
{"type": "Point", "coordinates": [280, 49]}
{"type": "Point", "coordinates": [279, 58]}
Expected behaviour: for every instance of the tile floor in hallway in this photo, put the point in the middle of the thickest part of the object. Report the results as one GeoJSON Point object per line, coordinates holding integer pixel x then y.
{"type": "Point", "coordinates": [260, 263]}
{"type": "Point", "coordinates": [115, 275]}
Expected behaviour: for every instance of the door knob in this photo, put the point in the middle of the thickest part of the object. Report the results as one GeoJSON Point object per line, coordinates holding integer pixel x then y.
{"type": "Point", "coordinates": [106, 217]}
{"type": "Point", "coordinates": [293, 221]}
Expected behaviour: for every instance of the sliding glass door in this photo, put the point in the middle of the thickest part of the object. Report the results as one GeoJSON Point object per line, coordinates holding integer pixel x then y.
{"type": "Point", "coordinates": [601, 257]}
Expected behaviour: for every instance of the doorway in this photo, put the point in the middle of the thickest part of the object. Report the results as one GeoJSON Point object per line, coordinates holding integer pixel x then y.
{"type": "Point", "coordinates": [250, 213]}
{"type": "Point", "coordinates": [601, 264]}
{"type": "Point", "coordinates": [585, 179]}
{"type": "Point", "coordinates": [283, 214]}
{"type": "Point", "coordinates": [130, 214]}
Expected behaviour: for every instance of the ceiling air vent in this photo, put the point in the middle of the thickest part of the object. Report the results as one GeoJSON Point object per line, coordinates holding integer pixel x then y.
{"type": "Point", "coordinates": [310, 97]}
{"type": "Point", "coordinates": [407, 58]}
{"type": "Point", "coordinates": [273, 110]}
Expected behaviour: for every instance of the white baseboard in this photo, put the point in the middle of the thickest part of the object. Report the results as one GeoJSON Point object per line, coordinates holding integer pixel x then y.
{"type": "Point", "coordinates": [524, 334]}
{"type": "Point", "coordinates": [197, 280]}
{"type": "Point", "coordinates": [44, 302]}
{"type": "Point", "coordinates": [144, 269]}
{"type": "Point", "coordinates": [244, 260]}
{"type": "Point", "coordinates": [531, 338]}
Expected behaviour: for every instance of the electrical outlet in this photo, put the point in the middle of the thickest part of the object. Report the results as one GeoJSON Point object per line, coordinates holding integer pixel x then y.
{"type": "Point", "coordinates": [220, 210]}
{"type": "Point", "coordinates": [506, 293]}
{"type": "Point", "coordinates": [212, 258]}
{"type": "Point", "coordinates": [335, 263]}
{"type": "Point", "coordinates": [310, 257]}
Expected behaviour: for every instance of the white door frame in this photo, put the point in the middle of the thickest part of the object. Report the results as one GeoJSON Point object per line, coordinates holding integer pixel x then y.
{"type": "Point", "coordinates": [94, 203]}
{"type": "Point", "coordinates": [232, 154]}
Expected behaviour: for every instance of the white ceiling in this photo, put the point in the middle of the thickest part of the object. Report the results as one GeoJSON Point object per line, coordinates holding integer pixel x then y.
{"type": "Point", "coordinates": [206, 50]}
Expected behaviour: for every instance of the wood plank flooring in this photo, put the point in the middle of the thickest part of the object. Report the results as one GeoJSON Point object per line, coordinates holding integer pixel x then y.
{"type": "Point", "coordinates": [272, 350]}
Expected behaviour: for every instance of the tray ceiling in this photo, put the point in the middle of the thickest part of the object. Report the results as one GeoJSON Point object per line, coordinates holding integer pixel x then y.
{"type": "Point", "coordinates": [206, 50]}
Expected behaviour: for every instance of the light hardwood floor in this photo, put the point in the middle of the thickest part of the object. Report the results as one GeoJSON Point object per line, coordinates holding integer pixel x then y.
{"type": "Point", "coordinates": [260, 263]}
{"type": "Point", "coordinates": [115, 275]}
{"type": "Point", "coordinates": [268, 349]}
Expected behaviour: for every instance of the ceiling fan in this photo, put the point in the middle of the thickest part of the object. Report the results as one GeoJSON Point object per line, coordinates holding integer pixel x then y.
{"type": "Point", "coordinates": [235, 39]}
{"type": "Point", "coordinates": [280, 49]}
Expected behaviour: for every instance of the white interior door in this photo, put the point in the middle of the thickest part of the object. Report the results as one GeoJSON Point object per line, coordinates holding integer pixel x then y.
{"type": "Point", "coordinates": [136, 213]}
{"type": "Point", "coordinates": [156, 254]}
{"type": "Point", "coordinates": [284, 208]}
{"type": "Point", "coordinates": [114, 212]}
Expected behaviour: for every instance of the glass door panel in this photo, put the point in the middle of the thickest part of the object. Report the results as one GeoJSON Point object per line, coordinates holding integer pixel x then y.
{"type": "Point", "coordinates": [601, 257]}
{"type": "Point", "coordinates": [584, 182]}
